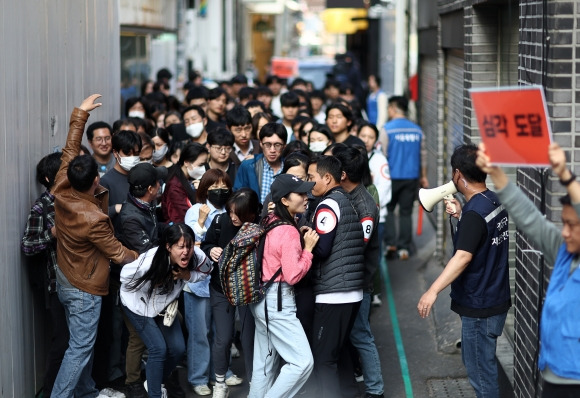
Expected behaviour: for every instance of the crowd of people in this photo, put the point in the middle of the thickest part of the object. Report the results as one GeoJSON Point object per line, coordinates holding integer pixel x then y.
{"type": "Point", "coordinates": [138, 221]}
{"type": "Point", "coordinates": [133, 228]}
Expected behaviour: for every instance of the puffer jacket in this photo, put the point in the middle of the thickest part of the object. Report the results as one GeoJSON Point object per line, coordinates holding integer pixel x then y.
{"type": "Point", "coordinates": [84, 232]}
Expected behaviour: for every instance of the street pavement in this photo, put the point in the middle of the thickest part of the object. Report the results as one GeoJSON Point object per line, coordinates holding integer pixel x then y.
{"type": "Point", "coordinates": [419, 357]}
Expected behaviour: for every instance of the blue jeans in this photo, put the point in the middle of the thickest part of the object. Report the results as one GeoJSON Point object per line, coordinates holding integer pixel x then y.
{"type": "Point", "coordinates": [82, 312]}
{"type": "Point", "coordinates": [198, 322]}
{"type": "Point", "coordinates": [478, 344]}
{"type": "Point", "coordinates": [363, 340]}
{"type": "Point", "coordinates": [284, 338]}
{"type": "Point", "coordinates": [165, 345]}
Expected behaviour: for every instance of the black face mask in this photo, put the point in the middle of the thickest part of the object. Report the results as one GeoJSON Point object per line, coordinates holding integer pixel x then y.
{"type": "Point", "coordinates": [218, 197]}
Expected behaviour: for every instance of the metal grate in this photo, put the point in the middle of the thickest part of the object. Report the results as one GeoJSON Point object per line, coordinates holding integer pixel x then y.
{"type": "Point", "coordinates": [450, 388]}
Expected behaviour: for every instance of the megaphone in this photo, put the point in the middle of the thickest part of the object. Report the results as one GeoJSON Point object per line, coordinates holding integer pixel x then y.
{"type": "Point", "coordinates": [430, 197]}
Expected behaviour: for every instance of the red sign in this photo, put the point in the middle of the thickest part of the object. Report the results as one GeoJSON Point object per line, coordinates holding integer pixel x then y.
{"type": "Point", "coordinates": [513, 124]}
{"type": "Point", "coordinates": [284, 67]}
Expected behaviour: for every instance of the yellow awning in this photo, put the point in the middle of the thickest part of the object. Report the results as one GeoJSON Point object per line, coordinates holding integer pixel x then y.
{"type": "Point", "coordinates": [339, 20]}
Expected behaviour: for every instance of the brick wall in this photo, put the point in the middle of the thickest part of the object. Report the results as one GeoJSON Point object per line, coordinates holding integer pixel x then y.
{"type": "Point", "coordinates": [557, 75]}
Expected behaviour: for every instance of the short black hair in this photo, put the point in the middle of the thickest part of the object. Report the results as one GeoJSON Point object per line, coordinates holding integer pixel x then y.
{"type": "Point", "coordinates": [190, 153]}
{"type": "Point", "coordinates": [330, 165]}
{"type": "Point", "coordinates": [399, 102]}
{"type": "Point", "coordinates": [221, 136]}
{"type": "Point", "coordinates": [95, 126]}
{"type": "Point", "coordinates": [361, 123]}
{"type": "Point", "coordinates": [161, 133]}
{"type": "Point", "coordinates": [345, 110]}
{"type": "Point", "coordinates": [239, 79]}
{"type": "Point", "coordinates": [353, 163]}
{"type": "Point", "coordinates": [377, 79]}
{"type": "Point", "coordinates": [196, 92]}
{"type": "Point", "coordinates": [274, 79]}
{"type": "Point", "coordinates": [118, 124]}
{"type": "Point", "coordinates": [196, 108]}
{"type": "Point", "coordinates": [298, 82]}
{"type": "Point", "coordinates": [255, 103]}
{"type": "Point", "coordinates": [126, 141]}
{"type": "Point", "coordinates": [247, 93]}
{"type": "Point", "coordinates": [238, 116]}
{"type": "Point", "coordinates": [164, 73]}
{"type": "Point", "coordinates": [332, 83]}
{"type": "Point", "coordinates": [263, 90]}
{"type": "Point", "coordinates": [295, 159]}
{"type": "Point", "coordinates": [216, 93]}
{"type": "Point", "coordinates": [81, 172]}
{"type": "Point", "coordinates": [289, 99]}
{"type": "Point", "coordinates": [463, 159]}
{"type": "Point", "coordinates": [47, 168]}
{"type": "Point", "coordinates": [246, 203]}
{"type": "Point", "coordinates": [132, 101]}
{"type": "Point", "coordinates": [271, 129]}
{"type": "Point", "coordinates": [296, 146]}
{"type": "Point", "coordinates": [318, 94]}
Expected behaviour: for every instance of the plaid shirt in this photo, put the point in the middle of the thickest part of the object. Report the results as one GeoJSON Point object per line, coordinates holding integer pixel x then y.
{"type": "Point", "coordinates": [267, 179]}
{"type": "Point", "coordinates": [37, 236]}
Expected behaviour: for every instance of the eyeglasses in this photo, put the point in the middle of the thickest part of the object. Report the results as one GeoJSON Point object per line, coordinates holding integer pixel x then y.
{"type": "Point", "coordinates": [246, 129]}
{"type": "Point", "coordinates": [225, 149]}
{"type": "Point", "coordinates": [101, 139]}
{"type": "Point", "coordinates": [269, 145]}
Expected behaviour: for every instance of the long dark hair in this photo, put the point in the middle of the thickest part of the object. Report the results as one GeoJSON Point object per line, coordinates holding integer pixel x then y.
{"type": "Point", "coordinates": [159, 274]}
{"type": "Point", "coordinates": [282, 212]}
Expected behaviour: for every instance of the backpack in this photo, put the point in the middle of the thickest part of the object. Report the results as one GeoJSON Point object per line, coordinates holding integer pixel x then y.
{"type": "Point", "coordinates": [240, 265]}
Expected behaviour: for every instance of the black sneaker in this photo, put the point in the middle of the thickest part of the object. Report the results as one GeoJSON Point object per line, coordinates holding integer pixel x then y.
{"type": "Point", "coordinates": [136, 390]}
{"type": "Point", "coordinates": [374, 395]}
{"type": "Point", "coordinates": [173, 387]}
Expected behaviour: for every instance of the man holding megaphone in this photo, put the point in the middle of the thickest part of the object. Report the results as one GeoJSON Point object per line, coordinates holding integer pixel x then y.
{"type": "Point", "coordinates": [477, 272]}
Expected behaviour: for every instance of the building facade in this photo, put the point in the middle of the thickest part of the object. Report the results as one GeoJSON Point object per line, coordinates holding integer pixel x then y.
{"type": "Point", "coordinates": [484, 43]}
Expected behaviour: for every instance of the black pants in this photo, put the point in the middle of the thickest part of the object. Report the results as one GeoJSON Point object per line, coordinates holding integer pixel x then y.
{"type": "Point", "coordinates": [223, 314]}
{"type": "Point", "coordinates": [58, 342]}
{"type": "Point", "coordinates": [330, 333]}
{"type": "Point", "coordinates": [550, 390]}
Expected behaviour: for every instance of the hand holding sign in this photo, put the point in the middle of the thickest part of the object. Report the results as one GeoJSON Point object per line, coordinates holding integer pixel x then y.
{"type": "Point", "coordinates": [513, 124]}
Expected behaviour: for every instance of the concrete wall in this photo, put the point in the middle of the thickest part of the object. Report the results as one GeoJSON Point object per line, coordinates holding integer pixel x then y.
{"type": "Point", "coordinates": [54, 54]}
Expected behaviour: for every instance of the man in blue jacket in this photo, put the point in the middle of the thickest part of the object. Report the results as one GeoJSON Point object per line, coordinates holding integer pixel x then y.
{"type": "Point", "coordinates": [258, 173]}
{"type": "Point", "coordinates": [477, 272]}
{"type": "Point", "coordinates": [405, 152]}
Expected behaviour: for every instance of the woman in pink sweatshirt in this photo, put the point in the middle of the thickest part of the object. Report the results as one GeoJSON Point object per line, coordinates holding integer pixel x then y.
{"type": "Point", "coordinates": [279, 334]}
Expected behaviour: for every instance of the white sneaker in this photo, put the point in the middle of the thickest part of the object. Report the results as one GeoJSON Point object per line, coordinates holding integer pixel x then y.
{"type": "Point", "coordinates": [220, 391]}
{"type": "Point", "coordinates": [234, 380]}
{"type": "Point", "coordinates": [109, 392]}
{"type": "Point", "coordinates": [235, 353]}
{"type": "Point", "coordinates": [202, 390]}
{"type": "Point", "coordinates": [163, 390]}
{"type": "Point", "coordinates": [376, 301]}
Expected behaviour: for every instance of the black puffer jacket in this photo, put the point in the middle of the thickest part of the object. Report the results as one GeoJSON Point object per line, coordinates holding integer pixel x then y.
{"type": "Point", "coordinates": [343, 270]}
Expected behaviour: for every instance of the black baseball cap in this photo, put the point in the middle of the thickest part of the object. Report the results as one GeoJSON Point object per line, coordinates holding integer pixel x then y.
{"type": "Point", "coordinates": [286, 183]}
{"type": "Point", "coordinates": [144, 175]}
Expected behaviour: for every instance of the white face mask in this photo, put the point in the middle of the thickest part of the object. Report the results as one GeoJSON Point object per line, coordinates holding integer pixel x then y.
{"type": "Point", "coordinates": [128, 162]}
{"type": "Point", "coordinates": [194, 130]}
{"type": "Point", "coordinates": [318, 146]}
{"type": "Point", "coordinates": [197, 172]}
{"type": "Point", "coordinates": [139, 114]}
{"type": "Point", "coordinates": [158, 155]}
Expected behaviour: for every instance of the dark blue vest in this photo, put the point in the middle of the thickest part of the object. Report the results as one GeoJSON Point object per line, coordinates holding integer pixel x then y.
{"type": "Point", "coordinates": [485, 281]}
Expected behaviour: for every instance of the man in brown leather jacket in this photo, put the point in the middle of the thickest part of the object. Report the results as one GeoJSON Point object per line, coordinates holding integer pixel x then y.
{"type": "Point", "coordinates": [85, 244]}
